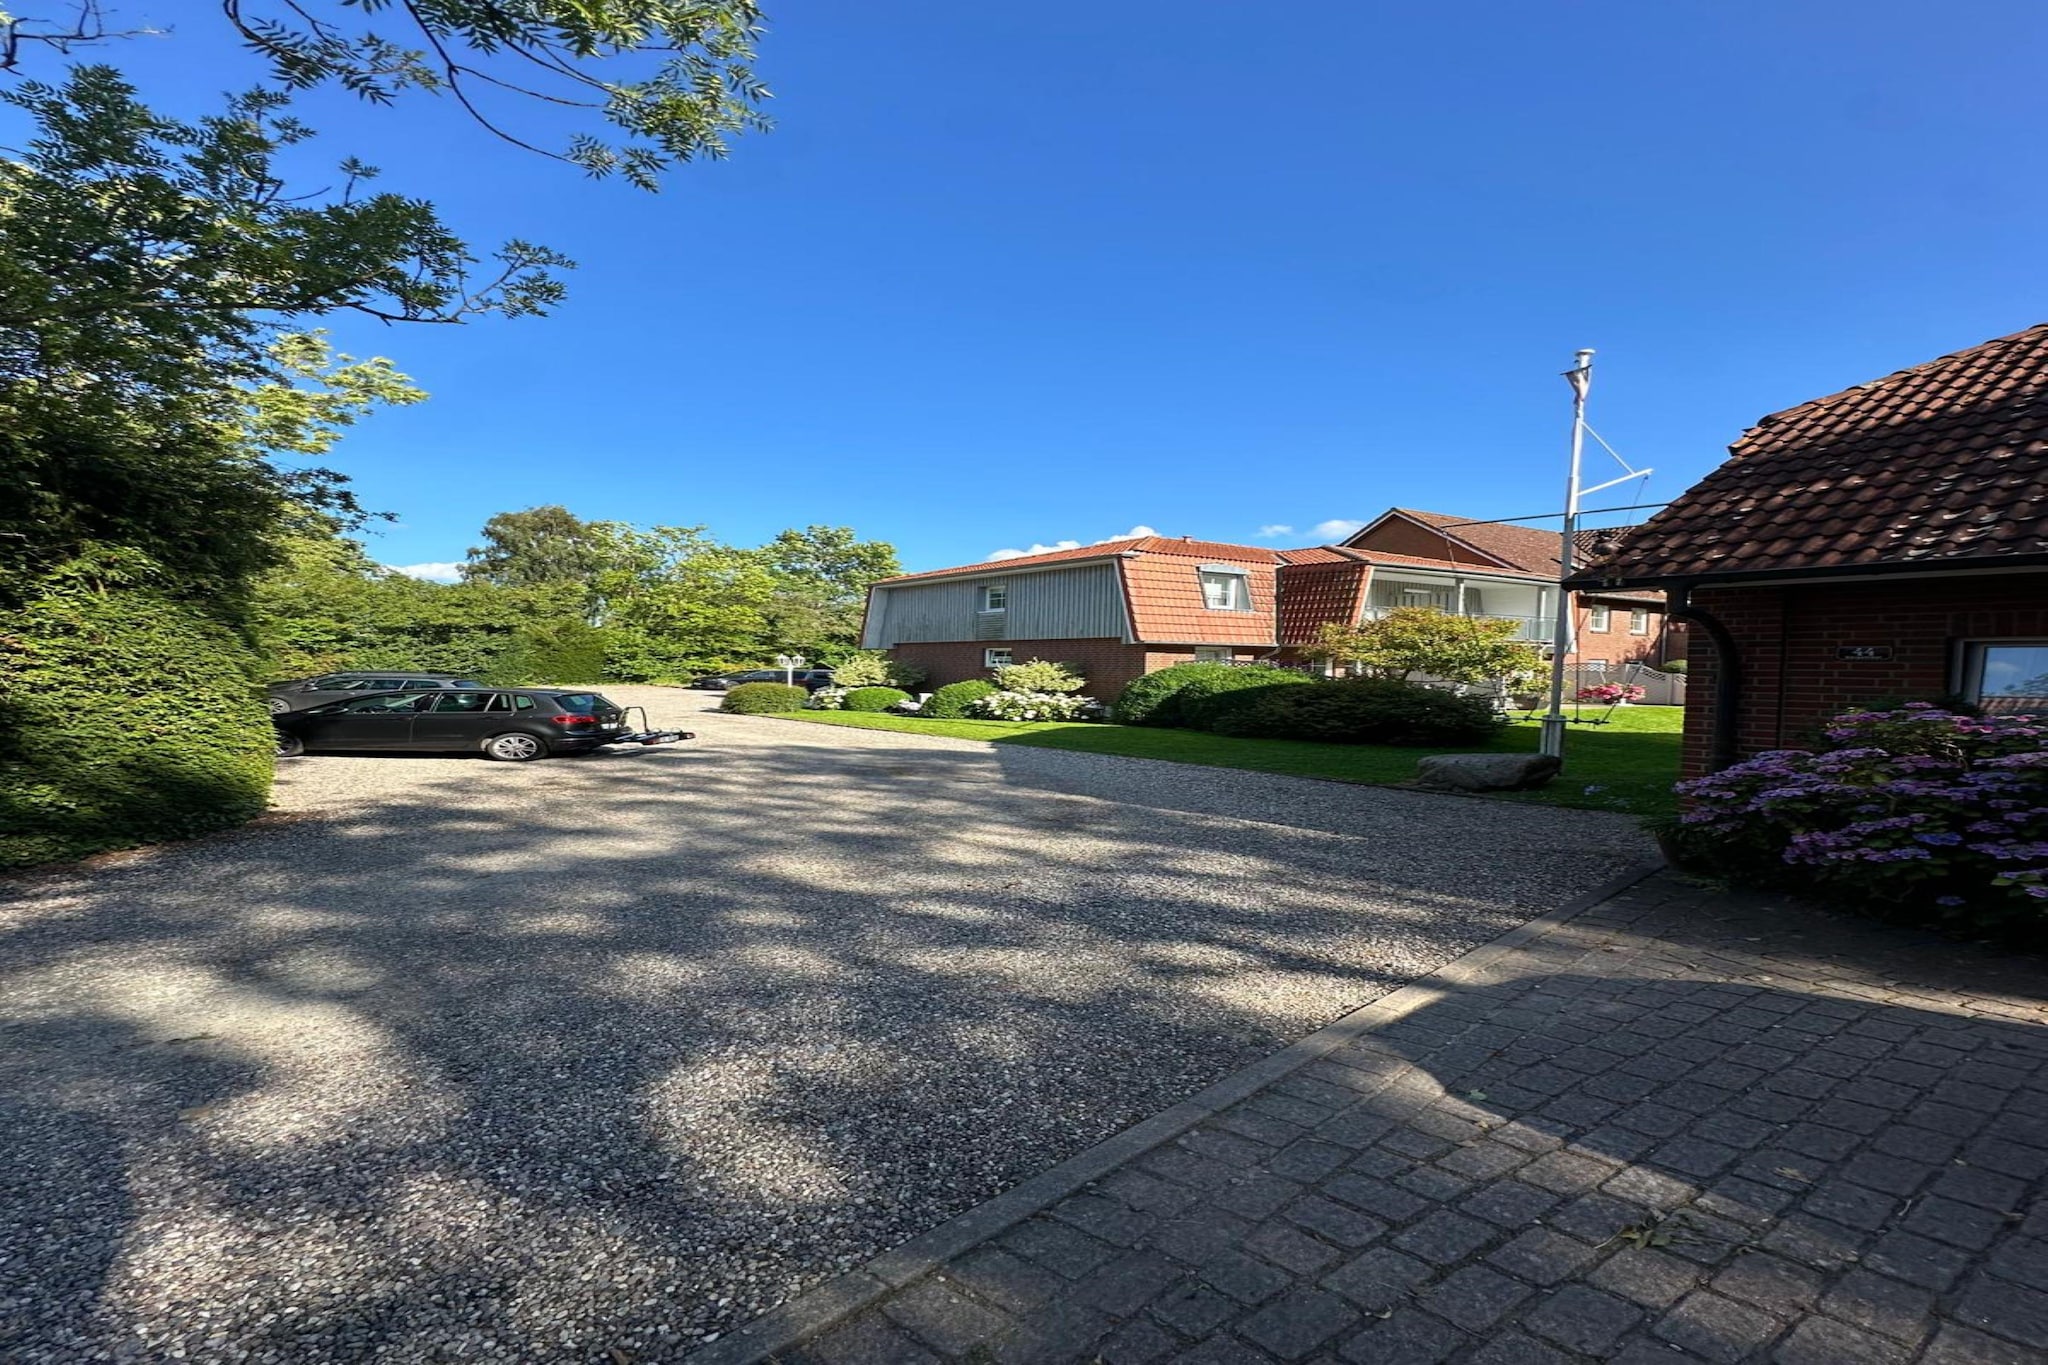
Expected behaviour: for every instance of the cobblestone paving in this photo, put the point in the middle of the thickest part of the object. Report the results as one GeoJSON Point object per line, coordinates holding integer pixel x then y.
{"type": "Point", "coordinates": [1683, 1126]}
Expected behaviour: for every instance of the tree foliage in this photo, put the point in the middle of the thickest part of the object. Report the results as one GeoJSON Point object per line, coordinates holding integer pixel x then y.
{"type": "Point", "coordinates": [1436, 644]}
{"type": "Point", "coordinates": [540, 546]}
{"type": "Point", "coordinates": [640, 84]}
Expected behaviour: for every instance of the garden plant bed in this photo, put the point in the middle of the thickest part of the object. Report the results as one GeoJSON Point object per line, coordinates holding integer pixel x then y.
{"type": "Point", "coordinates": [1626, 765]}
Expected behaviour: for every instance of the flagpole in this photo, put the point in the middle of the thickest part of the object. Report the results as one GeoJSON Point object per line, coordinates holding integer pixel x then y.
{"type": "Point", "coordinates": [1580, 377]}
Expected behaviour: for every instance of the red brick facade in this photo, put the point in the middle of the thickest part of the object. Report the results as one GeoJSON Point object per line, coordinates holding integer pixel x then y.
{"type": "Point", "coordinates": [1790, 640]}
{"type": "Point", "coordinates": [1109, 665]}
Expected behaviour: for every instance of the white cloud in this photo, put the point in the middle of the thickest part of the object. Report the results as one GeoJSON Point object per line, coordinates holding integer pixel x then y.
{"type": "Point", "coordinates": [1337, 528]}
{"type": "Point", "coordinates": [433, 573]}
{"type": "Point", "coordinates": [1275, 529]}
{"type": "Point", "coordinates": [1036, 549]}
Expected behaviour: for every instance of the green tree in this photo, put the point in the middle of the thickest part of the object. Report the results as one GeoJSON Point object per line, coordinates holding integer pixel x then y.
{"type": "Point", "coordinates": [540, 546]}
{"type": "Point", "coordinates": [643, 84]}
{"type": "Point", "coordinates": [821, 576]}
{"type": "Point", "coordinates": [678, 602]}
{"type": "Point", "coordinates": [1411, 640]}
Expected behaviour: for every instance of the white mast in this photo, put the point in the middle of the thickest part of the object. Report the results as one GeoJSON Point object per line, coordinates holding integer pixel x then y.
{"type": "Point", "coordinates": [1580, 377]}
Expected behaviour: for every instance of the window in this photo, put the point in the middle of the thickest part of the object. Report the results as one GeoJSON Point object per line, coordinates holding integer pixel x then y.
{"type": "Point", "coordinates": [995, 658]}
{"type": "Point", "coordinates": [2007, 677]}
{"type": "Point", "coordinates": [521, 702]}
{"type": "Point", "coordinates": [460, 701]}
{"type": "Point", "coordinates": [1226, 590]}
{"type": "Point", "coordinates": [386, 703]}
{"type": "Point", "coordinates": [1639, 621]}
{"type": "Point", "coordinates": [384, 684]}
{"type": "Point", "coordinates": [1213, 654]}
{"type": "Point", "coordinates": [995, 597]}
{"type": "Point", "coordinates": [1597, 618]}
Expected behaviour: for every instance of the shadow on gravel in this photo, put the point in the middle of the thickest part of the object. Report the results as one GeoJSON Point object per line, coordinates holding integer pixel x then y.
{"type": "Point", "coordinates": [586, 1059]}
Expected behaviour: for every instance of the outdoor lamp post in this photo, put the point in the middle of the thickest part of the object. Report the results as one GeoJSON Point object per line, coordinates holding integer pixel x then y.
{"type": "Point", "coordinates": [789, 664]}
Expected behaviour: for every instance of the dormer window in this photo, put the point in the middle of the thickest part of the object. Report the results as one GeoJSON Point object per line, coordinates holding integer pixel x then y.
{"type": "Point", "coordinates": [1225, 588]}
{"type": "Point", "coordinates": [995, 597]}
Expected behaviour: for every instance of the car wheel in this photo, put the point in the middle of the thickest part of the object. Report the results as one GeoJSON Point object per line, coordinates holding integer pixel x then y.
{"type": "Point", "coordinates": [513, 748]}
{"type": "Point", "coordinates": [278, 706]}
{"type": "Point", "coordinates": [290, 746]}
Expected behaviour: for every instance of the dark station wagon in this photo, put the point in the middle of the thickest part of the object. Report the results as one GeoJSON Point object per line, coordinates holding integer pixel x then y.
{"type": "Point", "coordinates": [508, 724]}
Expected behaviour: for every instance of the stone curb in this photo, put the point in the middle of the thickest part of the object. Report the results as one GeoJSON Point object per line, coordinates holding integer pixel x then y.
{"type": "Point", "coordinates": [842, 1296]}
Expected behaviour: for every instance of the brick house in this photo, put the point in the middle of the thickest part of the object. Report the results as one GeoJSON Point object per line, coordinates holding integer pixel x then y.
{"type": "Point", "coordinates": [1125, 608]}
{"type": "Point", "coordinates": [1608, 628]}
{"type": "Point", "coordinates": [1883, 544]}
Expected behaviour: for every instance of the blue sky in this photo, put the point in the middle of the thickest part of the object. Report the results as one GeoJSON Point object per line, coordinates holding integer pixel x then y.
{"type": "Point", "coordinates": [1010, 275]}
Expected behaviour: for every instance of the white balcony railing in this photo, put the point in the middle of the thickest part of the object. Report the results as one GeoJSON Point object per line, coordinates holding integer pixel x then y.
{"type": "Point", "coordinates": [1536, 629]}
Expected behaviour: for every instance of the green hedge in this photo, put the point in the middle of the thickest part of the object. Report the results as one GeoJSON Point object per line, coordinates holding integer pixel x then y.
{"type": "Point", "coordinates": [1159, 698]}
{"type": "Point", "coordinates": [1362, 711]}
{"type": "Point", "coordinates": [554, 652]}
{"type": "Point", "coordinates": [763, 699]}
{"type": "Point", "coordinates": [126, 717]}
{"type": "Point", "coordinates": [873, 698]}
{"type": "Point", "coordinates": [950, 702]}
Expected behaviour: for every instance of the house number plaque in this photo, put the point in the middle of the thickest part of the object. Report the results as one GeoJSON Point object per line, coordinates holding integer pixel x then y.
{"type": "Point", "coordinates": [1863, 651]}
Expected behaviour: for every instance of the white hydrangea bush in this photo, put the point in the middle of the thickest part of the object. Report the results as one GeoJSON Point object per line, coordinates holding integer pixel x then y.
{"type": "Point", "coordinates": [827, 699]}
{"type": "Point", "coordinates": [1032, 706]}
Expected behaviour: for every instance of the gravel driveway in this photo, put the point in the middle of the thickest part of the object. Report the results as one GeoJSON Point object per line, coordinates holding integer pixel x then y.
{"type": "Point", "coordinates": [593, 1058]}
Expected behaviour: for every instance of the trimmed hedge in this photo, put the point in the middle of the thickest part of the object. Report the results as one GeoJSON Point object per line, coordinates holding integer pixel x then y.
{"type": "Point", "coordinates": [951, 701]}
{"type": "Point", "coordinates": [126, 717]}
{"type": "Point", "coordinates": [1202, 702]}
{"type": "Point", "coordinates": [763, 699]}
{"type": "Point", "coordinates": [873, 698]}
{"type": "Point", "coordinates": [1363, 711]}
{"type": "Point", "coordinates": [554, 652]}
{"type": "Point", "coordinates": [1159, 698]}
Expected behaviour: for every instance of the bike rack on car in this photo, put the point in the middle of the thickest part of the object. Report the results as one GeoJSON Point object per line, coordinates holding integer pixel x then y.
{"type": "Point", "coordinates": [646, 736]}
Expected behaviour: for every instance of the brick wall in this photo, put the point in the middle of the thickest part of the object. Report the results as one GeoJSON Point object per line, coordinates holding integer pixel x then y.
{"type": "Point", "coordinates": [1788, 638]}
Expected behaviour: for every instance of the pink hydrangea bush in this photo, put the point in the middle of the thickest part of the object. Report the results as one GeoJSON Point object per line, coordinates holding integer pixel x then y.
{"type": "Point", "coordinates": [1917, 809]}
{"type": "Point", "coordinates": [1612, 692]}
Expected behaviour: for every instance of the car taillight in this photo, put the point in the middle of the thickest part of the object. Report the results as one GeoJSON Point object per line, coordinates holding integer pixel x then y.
{"type": "Point", "coordinates": [574, 720]}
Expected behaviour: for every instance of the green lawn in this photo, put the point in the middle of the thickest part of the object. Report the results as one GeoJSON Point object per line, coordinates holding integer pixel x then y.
{"type": "Point", "coordinates": [1626, 765]}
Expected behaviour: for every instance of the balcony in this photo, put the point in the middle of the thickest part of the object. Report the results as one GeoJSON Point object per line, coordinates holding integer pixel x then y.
{"type": "Point", "coordinates": [1535, 629]}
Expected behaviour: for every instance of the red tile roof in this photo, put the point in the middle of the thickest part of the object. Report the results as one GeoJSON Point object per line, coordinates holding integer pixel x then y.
{"type": "Point", "coordinates": [1165, 594]}
{"type": "Point", "coordinates": [1945, 463]}
{"type": "Point", "coordinates": [1527, 548]}
{"type": "Point", "coordinates": [1320, 590]}
{"type": "Point", "coordinates": [1158, 545]}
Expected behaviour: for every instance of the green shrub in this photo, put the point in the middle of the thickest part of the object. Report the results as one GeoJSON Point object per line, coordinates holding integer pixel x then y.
{"type": "Point", "coordinates": [873, 698]}
{"type": "Point", "coordinates": [1202, 701]}
{"type": "Point", "coordinates": [1038, 675]}
{"type": "Point", "coordinates": [1363, 711]}
{"type": "Point", "coordinates": [553, 652]}
{"type": "Point", "coordinates": [1155, 699]}
{"type": "Point", "coordinates": [763, 699]}
{"type": "Point", "coordinates": [951, 701]}
{"type": "Point", "coordinates": [126, 717]}
{"type": "Point", "coordinates": [874, 668]}
{"type": "Point", "coordinates": [1674, 666]}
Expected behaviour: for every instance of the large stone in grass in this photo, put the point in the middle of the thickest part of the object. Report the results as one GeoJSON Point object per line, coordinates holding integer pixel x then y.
{"type": "Point", "coordinates": [1487, 772]}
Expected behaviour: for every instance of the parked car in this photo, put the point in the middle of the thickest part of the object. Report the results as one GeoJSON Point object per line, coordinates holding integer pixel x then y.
{"type": "Point", "coordinates": [810, 678]}
{"type": "Point", "coordinates": [307, 692]}
{"type": "Point", "coordinates": [509, 724]}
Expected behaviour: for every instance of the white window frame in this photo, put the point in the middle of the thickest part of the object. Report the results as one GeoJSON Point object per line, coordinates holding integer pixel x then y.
{"type": "Point", "coordinates": [1599, 619]}
{"type": "Point", "coordinates": [1214, 654]}
{"type": "Point", "coordinates": [1240, 588]}
{"type": "Point", "coordinates": [989, 659]}
{"type": "Point", "coordinates": [1639, 620]}
{"type": "Point", "coordinates": [994, 597]}
{"type": "Point", "coordinates": [1973, 656]}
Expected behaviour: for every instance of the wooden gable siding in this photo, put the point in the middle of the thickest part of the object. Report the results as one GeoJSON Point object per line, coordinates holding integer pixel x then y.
{"type": "Point", "coordinates": [1081, 603]}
